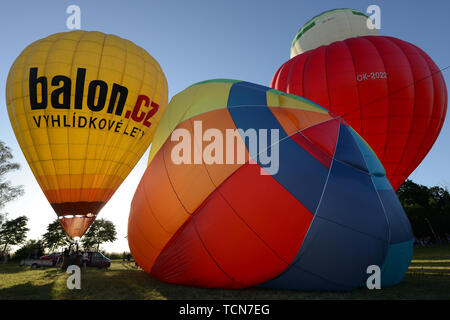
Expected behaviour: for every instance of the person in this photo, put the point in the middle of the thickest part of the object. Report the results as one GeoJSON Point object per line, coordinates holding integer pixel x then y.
{"type": "Point", "coordinates": [85, 259]}
{"type": "Point", "coordinates": [78, 258]}
{"type": "Point", "coordinates": [124, 256]}
{"type": "Point", "coordinates": [59, 259]}
{"type": "Point", "coordinates": [128, 258]}
{"type": "Point", "coordinates": [2, 256]}
{"type": "Point", "coordinates": [35, 254]}
{"type": "Point", "coordinates": [65, 263]}
{"type": "Point", "coordinates": [53, 255]}
{"type": "Point", "coordinates": [73, 258]}
{"type": "Point", "coordinates": [6, 258]}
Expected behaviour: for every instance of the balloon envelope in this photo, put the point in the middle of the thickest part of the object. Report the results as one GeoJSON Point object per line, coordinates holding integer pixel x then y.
{"type": "Point", "coordinates": [316, 223]}
{"type": "Point", "coordinates": [390, 91]}
{"type": "Point", "coordinates": [330, 26]}
{"type": "Point", "coordinates": [83, 106]}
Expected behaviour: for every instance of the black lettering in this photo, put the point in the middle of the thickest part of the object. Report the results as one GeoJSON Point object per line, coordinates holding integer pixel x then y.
{"type": "Point", "coordinates": [46, 119]}
{"type": "Point", "coordinates": [65, 121]}
{"type": "Point", "coordinates": [79, 122]}
{"type": "Point", "coordinates": [79, 88]}
{"type": "Point", "coordinates": [102, 124]}
{"type": "Point", "coordinates": [38, 123]}
{"type": "Point", "coordinates": [56, 120]}
{"type": "Point", "coordinates": [125, 132]}
{"type": "Point", "coordinates": [92, 122]}
{"type": "Point", "coordinates": [64, 90]}
{"type": "Point", "coordinates": [103, 89]}
{"type": "Point", "coordinates": [133, 132]}
{"type": "Point", "coordinates": [33, 82]}
{"type": "Point", "coordinates": [111, 124]}
{"type": "Point", "coordinates": [123, 91]}
{"type": "Point", "coordinates": [118, 126]}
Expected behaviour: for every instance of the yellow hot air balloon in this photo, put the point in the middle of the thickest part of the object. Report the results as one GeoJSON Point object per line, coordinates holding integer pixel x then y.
{"type": "Point", "coordinates": [84, 106]}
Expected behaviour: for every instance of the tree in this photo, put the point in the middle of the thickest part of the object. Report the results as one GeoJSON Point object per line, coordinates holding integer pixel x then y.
{"type": "Point", "coordinates": [8, 192]}
{"type": "Point", "coordinates": [428, 209]}
{"type": "Point", "coordinates": [26, 250]}
{"type": "Point", "coordinates": [55, 236]}
{"type": "Point", "coordinates": [413, 194]}
{"type": "Point", "coordinates": [99, 232]}
{"type": "Point", "coordinates": [13, 232]}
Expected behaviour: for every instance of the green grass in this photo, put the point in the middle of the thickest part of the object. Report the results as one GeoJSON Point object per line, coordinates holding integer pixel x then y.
{"type": "Point", "coordinates": [427, 278]}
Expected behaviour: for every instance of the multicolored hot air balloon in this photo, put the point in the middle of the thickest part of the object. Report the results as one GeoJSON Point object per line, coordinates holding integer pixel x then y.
{"type": "Point", "coordinates": [387, 89]}
{"type": "Point", "coordinates": [307, 207]}
{"type": "Point", "coordinates": [330, 26]}
{"type": "Point", "coordinates": [83, 106]}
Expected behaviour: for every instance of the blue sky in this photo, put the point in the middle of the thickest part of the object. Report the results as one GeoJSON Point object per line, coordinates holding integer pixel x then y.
{"type": "Point", "coordinates": [198, 40]}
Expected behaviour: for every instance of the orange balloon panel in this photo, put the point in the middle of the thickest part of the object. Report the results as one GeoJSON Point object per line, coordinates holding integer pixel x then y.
{"type": "Point", "coordinates": [169, 188]}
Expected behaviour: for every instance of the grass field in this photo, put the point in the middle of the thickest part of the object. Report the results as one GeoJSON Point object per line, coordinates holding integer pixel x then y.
{"type": "Point", "coordinates": [427, 278]}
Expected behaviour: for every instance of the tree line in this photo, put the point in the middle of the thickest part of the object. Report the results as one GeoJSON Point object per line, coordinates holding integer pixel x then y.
{"type": "Point", "coordinates": [428, 209]}
{"type": "Point", "coordinates": [55, 239]}
{"type": "Point", "coordinates": [14, 232]}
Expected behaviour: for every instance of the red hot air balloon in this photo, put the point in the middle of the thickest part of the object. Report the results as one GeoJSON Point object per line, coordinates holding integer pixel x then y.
{"type": "Point", "coordinates": [390, 91]}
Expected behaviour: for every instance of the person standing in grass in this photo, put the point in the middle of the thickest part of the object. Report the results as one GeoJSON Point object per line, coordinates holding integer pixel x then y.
{"type": "Point", "coordinates": [34, 255]}
{"type": "Point", "coordinates": [65, 263]}
{"type": "Point", "coordinates": [85, 259]}
{"type": "Point", "coordinates": [78, 258]}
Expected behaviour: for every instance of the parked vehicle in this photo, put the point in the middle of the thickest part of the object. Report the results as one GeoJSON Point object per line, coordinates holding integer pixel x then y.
{"type": "Point", "coordinates": [54, 257]}
{"type": "Point", "coordinates": [50, 256]}
{"type": "Point", "coordinates": [97, 259]}
{"type": "Point", "coordinates": [36, 263]}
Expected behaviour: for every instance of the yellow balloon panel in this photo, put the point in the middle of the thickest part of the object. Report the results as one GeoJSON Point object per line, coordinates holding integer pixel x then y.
{"type": "Point", "coordinates": [84, 106]}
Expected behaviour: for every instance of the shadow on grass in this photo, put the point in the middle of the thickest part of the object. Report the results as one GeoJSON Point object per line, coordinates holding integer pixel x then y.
{"type": "Point", "coordinates": [171, 291]}
{"type": "Point", "coordinates": [413, 287]}
{"type": "Point", "coordinates": [12, 267]}
{"type": "Point", "coordinates": [27, 291]}
{"type": "Point", "coordinates": [136, 285]}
